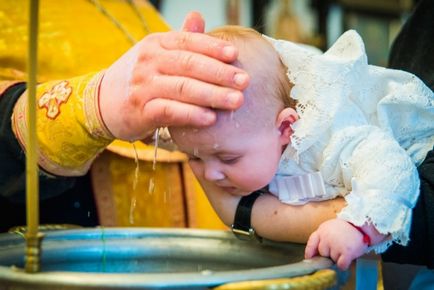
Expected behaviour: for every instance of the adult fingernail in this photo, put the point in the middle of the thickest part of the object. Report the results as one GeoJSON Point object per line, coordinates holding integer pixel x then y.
{"type": "Point", "coordinates": [240, 79]}
{"type": "Point", "coordinates": [229, 52]}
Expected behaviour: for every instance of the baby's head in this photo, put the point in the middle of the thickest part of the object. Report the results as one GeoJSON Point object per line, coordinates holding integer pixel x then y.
{"type": "Point", "coordinates": [241, 152]}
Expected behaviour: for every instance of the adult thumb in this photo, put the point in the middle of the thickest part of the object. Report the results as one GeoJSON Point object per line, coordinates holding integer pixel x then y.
{"type": "Point", "coordinates": [194, 22]}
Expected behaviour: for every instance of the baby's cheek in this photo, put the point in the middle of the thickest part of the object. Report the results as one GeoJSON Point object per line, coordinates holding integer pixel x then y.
{"type": "Point", "coordinates": [197, 168]}
{"type": "Point", "coordinates": [255, 181]}
{"type": "Point", "coordinates": [263, 176]}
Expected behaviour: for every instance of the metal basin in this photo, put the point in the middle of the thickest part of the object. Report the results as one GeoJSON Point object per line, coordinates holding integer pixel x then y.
{"type": "Point", "coordinates": [138, 258]}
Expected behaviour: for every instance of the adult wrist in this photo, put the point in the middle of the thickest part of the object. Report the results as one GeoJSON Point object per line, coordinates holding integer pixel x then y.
{"type": "Point", "coordinates": [70, 130]}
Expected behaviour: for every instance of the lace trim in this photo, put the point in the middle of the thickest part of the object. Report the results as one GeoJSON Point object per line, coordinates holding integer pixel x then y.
{"type": "Point", "coordinates": [325, 83]}
{"type": "Point", "coordinates": [395, 208]}
{"type": "Point", "coordinates": [320, 83]}
{"type": "Point", "coordinates": [338, 90]}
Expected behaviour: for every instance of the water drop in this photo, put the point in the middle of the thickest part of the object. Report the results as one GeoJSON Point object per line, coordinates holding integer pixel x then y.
{"type": "Point", "coordinates": [206, 272]}
{"type": "Point", "coordinates": [156, 136]}
{"type": "Point", "coordinates": [151, 187]}
{"type": "Point", "coordinates": [132, 207]}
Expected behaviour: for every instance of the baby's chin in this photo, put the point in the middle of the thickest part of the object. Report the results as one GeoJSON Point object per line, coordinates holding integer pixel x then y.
{"type": "Point", "coordinates": [232, 190]}
{"type": "Point", "coordinates": [237, 191]}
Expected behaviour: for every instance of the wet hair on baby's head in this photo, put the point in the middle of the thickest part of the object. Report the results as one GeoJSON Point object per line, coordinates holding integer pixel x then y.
{"type": "Point", "coordinates": [259, 58]}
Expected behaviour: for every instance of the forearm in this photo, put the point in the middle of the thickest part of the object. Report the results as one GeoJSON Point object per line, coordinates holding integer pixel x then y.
{"type": "Point", "coordinates": [281, 222]}
{"type": "Point", "coordinates": [273, 219]}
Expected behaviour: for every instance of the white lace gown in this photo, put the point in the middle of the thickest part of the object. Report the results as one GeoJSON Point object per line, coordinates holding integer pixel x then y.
{"type": "Point", "coordinates": [364, 128]}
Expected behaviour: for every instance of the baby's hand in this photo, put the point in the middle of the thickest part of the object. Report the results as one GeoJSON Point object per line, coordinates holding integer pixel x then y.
{"type": "Point", "coordinates": [338, 240]}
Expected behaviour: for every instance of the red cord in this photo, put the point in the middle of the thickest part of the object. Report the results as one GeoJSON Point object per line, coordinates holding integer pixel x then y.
{"type": "Point", "coordinates": [366, 237]}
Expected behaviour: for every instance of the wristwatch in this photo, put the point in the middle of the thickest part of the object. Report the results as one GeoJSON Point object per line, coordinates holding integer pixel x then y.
{"type": "Point", "coordinates": [242, 226]}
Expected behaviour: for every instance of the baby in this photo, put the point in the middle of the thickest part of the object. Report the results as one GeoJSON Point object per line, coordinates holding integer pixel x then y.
{"type": "Point", "coordinates": [316, 127]}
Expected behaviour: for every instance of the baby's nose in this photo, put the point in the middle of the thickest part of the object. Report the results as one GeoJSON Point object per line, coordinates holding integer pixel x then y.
{"type": "Point", "coordinates": [212, 173]}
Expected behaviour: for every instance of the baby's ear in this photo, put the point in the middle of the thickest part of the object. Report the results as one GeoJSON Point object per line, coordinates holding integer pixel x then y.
{"type": "Point", "coordinates": [285, 119]}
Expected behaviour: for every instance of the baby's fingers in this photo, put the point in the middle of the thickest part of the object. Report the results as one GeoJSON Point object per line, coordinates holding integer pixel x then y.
{"type": "Point", "coordinates": [311, 249]}
{"type": "Point", "coordinates": [343, 262]}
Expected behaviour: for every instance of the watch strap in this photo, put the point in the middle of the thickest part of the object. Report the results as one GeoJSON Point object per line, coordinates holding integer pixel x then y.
{"type": "Point", "coordinates": [242, 226]}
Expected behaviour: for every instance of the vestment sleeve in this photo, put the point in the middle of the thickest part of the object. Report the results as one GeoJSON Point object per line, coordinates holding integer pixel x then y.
{"type": "Point", "coordinates": [70, 129]}
{"type": "Point", "coordinates": [384, 183]}
{"type": "Point", "coordinates": [12, 167]}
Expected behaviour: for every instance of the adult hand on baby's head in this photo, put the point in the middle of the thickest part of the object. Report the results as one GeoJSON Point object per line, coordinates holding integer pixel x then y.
{"type": "Point", "coordinates": [338, 240]}
{"type": "Point", "coordinates": [168, 79]}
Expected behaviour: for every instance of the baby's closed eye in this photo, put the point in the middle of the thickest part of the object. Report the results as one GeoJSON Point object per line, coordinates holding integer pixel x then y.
{"type": "Point", "coordinates": [229, 159]}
